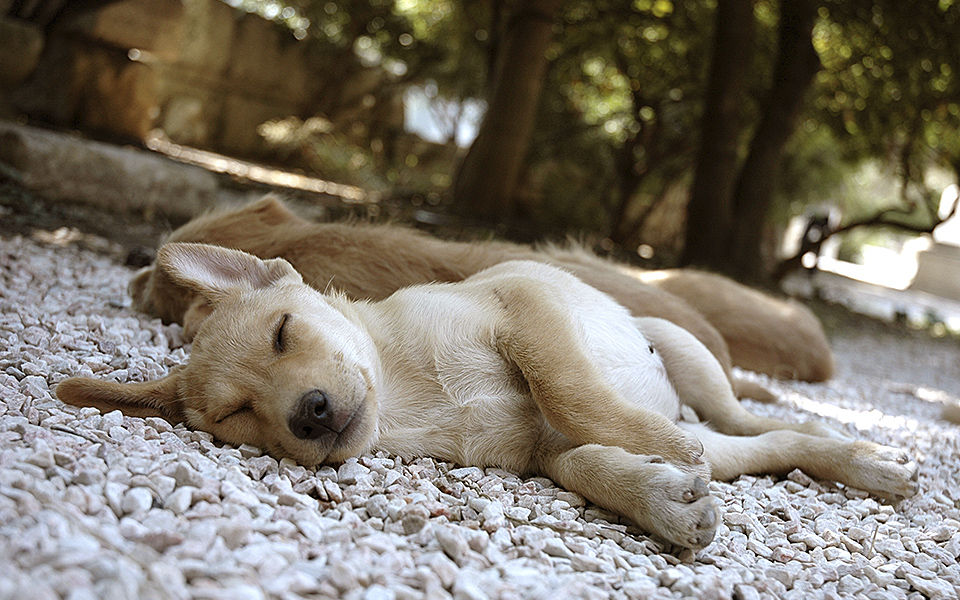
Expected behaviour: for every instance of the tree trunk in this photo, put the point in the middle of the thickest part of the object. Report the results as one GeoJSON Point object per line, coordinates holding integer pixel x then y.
{"type": "Point", "coordinates": [797, 63]}
{"type": "Point", "coordinates": [487, 178]}
{"type": "Point", "coordinates": [709, 213]}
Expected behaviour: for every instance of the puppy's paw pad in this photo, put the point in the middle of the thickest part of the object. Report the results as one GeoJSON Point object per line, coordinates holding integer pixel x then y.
{"type": "Point", "coordinates": [685, 513]}
{"type": "Point", "coordinates": [694, 491]}
{"type": "Point", "coordinates": [699, 526]}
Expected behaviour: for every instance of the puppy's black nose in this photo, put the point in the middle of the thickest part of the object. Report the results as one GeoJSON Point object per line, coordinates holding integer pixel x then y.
{"type": "Point", "coordinates": [310, 417]}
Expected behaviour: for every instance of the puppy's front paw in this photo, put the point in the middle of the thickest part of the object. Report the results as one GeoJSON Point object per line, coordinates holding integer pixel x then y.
{"type": "Point", "coordinates": [682, 449]}
{"type": "Point", "coordinates": [685, 451]}
{"type": "Point", "coordinates": [682, 511]}
{"type": "Point", "coordinates": [885, 471]}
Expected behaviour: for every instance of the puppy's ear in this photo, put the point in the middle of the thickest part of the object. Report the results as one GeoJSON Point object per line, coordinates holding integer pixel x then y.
{"type": "Point", "coordinates": [217, 272]}
{"type": "Point", "coordinates": [160, 398]}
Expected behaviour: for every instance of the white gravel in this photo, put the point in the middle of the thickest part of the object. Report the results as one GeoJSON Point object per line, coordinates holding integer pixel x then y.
{"type": "Point", "coordinates": [108, 506]}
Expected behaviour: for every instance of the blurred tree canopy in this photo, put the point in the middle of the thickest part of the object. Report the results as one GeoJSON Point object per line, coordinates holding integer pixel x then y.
{"type": "Point", "coordinates": [601, 113]}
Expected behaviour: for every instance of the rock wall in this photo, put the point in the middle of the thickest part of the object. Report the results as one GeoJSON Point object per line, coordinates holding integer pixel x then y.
{"type": "Point", "coordinates": [200, 71]}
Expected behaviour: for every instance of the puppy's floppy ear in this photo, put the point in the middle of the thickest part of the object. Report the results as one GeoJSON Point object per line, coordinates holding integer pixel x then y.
{"type": "Point", "coordinates": [160, 398]}
{"type": "Point", "coordinates": [216, 272]}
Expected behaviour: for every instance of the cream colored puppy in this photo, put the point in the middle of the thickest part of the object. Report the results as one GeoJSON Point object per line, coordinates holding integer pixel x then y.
{"type": "Point", "coordinates": [520, 366]}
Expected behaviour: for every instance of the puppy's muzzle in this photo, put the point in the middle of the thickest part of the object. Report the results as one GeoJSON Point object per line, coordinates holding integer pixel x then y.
{"type": "Point", "coordinates": [313, 417]}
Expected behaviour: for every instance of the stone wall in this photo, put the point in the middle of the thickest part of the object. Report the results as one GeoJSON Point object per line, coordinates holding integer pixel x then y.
{"type": "Point", "coordinates": [199, 71]}
{"type": "Point", "coordinates": [22, 44]}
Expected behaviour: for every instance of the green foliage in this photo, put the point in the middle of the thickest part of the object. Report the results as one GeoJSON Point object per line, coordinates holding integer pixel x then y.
{"type": "Point", "coordinates": [890, 80]}
{"type": "Point", "coordinates": [620, 114]}
{"type": "Point", "coordinates": [624, 81]}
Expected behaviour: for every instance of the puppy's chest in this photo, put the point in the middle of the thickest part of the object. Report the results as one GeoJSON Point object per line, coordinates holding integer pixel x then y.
{"type": "Point", "coordinates": [456, 368]}
{"type": "Point", "coordinates": [449, 388]}
{"type": "Point", "coordinates": [460, 403]}
{"type": "Point", "coordinates": [446, 340]}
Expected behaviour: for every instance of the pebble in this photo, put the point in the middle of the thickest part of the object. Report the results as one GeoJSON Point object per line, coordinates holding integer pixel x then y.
{"type": "Point", "coordinates": [105, 505]}
{"type": "Point", "coordinates": [352, 472]}
{"type": "Point", "coordinates": [180, 499]}
{"type": "Point", "coordinates": [556, 547]}
{"type": "Point", "coordinates": [453, 543]}
{"type": "Point", "coordinates": [137, 500]}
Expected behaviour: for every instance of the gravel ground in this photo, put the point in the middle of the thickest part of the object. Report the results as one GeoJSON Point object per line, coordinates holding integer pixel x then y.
{"type": "Point", "coordinates": [108, 506]}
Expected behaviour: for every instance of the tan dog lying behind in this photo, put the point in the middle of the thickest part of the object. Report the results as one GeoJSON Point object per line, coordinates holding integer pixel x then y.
{"type": "Point", "coordinates": [371, 262]}
{"type": "Point", "coordinates": [521, 366]}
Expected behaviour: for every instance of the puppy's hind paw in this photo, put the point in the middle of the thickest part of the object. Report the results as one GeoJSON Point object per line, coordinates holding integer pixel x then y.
{"type": "Point", "coordinates": [888, 472]}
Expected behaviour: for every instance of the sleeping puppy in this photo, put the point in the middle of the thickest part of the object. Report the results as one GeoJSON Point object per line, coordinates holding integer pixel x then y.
{"type": "Point", "coordinates": [740, 326]}
{"type": "Point", "coordinates": [520, 366]}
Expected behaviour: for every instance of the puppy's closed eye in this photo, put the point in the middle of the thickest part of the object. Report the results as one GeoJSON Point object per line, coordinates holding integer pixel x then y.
{"type": "Point", "coordinates": [279, 341]}
{"type": "Point", "coordinates": [234, 411]}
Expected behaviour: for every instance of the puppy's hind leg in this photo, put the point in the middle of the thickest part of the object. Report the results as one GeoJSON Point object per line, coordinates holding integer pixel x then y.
{"type": "Point", "coordinates": [702, 385]}
{"type": "Point", "coordinates": [881, 470]}
{"type": "Point", "coordinates": [659, 497]}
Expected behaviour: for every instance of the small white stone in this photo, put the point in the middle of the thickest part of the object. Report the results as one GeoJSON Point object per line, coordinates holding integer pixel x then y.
{"type": "Point", "coordinates": [292, 498]}
{"type": "Point", "coordinates": [310, 530]}
{"type": "Point", "coordinates": [377, 506]}
{"type": "Point", "coordinates": [343, 575]}
{"type": "Point", "coordinates": [493, 516]}
{"type": "Point", "coordinates": [517, 513]}
{"type": "Point", "coordinates": [235, 533]}
{"type": "Point", "coordinates": [35, 386]}
{"type": "Point", "coordinates": [579, 562]}
{"type": "Point", "coordinates": [114, 492]}
{"type": "Point", "coordinates": [248, 451]}
{"type": "Point", "coordinates": [187, 475]}
{"type": "Point", "coordinates": [574, 500]}
{"type": "Point", "coordinates": [467, 473]}
{"type": "Point", "coordinates": [42, 458]}
{"type": "Point", "coordinates": [243, 591]}
{"type": "Point", "coordinates": [556, 547]}
{"type": "Point", "coordinates": [114, 418]}
{"type": "Point", "coordinates": [444, 568]}
{"type": "Point", "coordinates": [466, 588]}
{"type": "Point", "coordinates": [137, 500]}
{"type": "Point", "coordinates": [378, 592]}
{"type": "Point", "coordinates": [180, 500]}
{"type": "Point", "coordinates": [334, 493]}
{"type": "Point", "coordinates": [453, 542]}
{"type": "Point", "coordinates": [352, 472]}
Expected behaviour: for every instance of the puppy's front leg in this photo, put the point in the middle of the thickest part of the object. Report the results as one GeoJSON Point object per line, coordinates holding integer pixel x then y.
{"type": "Point", "coordinates": [538, 337]}
{"type": "Point", "coordinates": [658, 496]}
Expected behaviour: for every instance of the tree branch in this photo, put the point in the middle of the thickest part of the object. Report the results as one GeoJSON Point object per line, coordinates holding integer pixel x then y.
{"type": "Point", "coordinates": [881, 219]}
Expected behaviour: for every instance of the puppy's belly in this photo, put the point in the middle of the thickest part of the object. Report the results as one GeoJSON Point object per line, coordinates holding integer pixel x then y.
{"type": "Point", "coordinates": [625, 357]}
